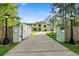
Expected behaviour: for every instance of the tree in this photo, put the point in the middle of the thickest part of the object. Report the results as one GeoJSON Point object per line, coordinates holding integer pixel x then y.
{"type": "Point", "coordinates": [12, 10]}
{"type": "Point", "coordinates": [65, 9]}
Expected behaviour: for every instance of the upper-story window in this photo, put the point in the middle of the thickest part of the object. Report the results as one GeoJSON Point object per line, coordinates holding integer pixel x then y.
{"type": "Point", "coordinates": [44, 25]}
{"type": "Point", "coordinates": [39, 25]}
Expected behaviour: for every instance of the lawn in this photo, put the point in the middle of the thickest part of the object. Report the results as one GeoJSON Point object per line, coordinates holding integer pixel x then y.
{"type": "Point", "coordinates": [74, 48]}
{"type": "Point", "coordinates": [52, 35]}
{"type": "Point", "coordinates": [34, 32]}
{"type": "Point", "coordinates": [5, 48]}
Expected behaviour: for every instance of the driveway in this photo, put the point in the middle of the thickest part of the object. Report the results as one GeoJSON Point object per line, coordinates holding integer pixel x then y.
{"type": "Point", "coordinates": [40, 45]}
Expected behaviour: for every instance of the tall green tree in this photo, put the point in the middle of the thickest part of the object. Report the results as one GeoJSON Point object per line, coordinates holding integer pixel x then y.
{"type": "Point", "coordinates": [12, 10]}
{"type": "Point", "coordinates": [65, 9]}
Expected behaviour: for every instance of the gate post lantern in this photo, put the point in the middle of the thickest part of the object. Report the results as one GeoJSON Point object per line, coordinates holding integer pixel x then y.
{"type": "Point", "coordinates": [6, 39]}
{"type": "Point", "coordinates": [71, 38]}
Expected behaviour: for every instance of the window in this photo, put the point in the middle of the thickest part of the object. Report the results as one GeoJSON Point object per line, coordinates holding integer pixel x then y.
{"type": "Point", "coordinates": [45, 29]}
{"type": "Point", "coordinates": [44, 25]}
{"type": "Point", "coordinates": [39, 25]}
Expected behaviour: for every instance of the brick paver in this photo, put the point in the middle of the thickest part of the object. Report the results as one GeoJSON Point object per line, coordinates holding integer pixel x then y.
{"type": "Point", "coordinates": [40, 45]}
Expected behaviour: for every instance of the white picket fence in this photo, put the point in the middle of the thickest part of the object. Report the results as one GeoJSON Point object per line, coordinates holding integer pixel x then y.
{"type": "Point", "coordinates": [26, 31]}
{"type": "Point", "coordinates": [20, 33]}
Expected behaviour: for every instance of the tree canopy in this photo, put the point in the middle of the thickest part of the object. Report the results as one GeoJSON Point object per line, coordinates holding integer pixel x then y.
{"type": "Point", "coordinates": [64, 12]}
{"type": "Point", "coordinates": [12, 10]}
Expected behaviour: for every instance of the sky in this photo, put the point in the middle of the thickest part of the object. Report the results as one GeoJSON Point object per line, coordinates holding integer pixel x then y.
{"type": "Point", "coordinates": [33, 12]}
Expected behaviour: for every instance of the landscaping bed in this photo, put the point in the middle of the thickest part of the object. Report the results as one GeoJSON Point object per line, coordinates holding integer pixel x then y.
{"type": "Point", "coordinates": [5, 48]}
{"type": "Point", "coordinates": [74, 48]}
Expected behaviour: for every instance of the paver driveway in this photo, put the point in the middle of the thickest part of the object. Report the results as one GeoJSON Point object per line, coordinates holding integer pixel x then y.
{"type": "Point", "coordinates": [39, 45]}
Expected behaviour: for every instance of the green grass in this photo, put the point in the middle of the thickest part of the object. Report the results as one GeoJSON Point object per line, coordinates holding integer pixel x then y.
{"type": "Point", "coordinates": [5, 48]}
{"type": "Point", "coordinates": [52, 35]}
{"type": "Point", "coordinates": [74, 48]}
